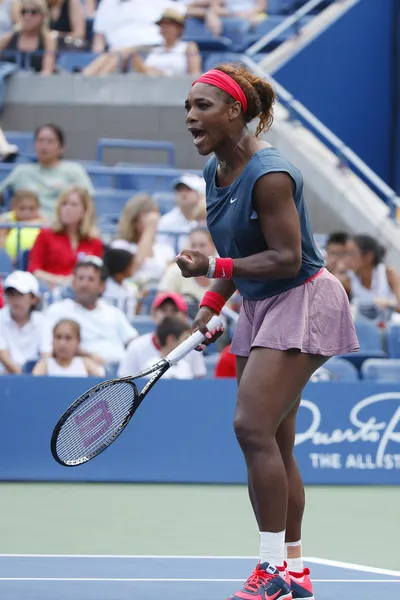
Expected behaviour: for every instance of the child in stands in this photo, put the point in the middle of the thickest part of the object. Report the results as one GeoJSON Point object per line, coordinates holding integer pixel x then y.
{"type": "Point", "coordinates": [65, 361]}
{"type": "Point", "coordinates": [120, 290]}
{"type": "Point", "coordinates": [25, 208]}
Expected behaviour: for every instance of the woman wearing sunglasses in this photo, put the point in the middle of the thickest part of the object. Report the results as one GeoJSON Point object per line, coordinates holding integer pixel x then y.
{"type": "Point", "coordinates": [31, 45]}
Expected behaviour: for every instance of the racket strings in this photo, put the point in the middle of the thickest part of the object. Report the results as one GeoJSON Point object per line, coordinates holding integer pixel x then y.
{"type": "Point", "coordinates": [95, 423]}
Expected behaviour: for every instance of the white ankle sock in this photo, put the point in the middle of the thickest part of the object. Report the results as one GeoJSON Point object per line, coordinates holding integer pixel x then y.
{"type": "Point", "coordinates": [272, 548]}
{"type": "Point", "coordinates": [295, 565]}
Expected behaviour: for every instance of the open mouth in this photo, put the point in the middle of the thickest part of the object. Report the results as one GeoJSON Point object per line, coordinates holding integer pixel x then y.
{"type": "Point", "coordinates": [198, 135]}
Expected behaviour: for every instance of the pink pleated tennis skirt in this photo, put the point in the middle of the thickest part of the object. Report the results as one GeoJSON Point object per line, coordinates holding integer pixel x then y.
{"type": "Point", "coordinates": [313, 317]}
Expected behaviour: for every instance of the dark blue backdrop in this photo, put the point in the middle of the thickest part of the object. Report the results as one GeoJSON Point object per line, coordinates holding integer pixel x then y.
{"type": "Point", "coordinates": [347, 433]}
{"type": "Point", "coordinates": [347, 77]}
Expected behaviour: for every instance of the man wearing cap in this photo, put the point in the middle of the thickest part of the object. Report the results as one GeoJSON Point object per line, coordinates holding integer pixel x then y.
{"type": "Point", "coordinates": [145, 348]}
{"type": "Point", "coordinates": [105, 330]}
{"type": "Point", "coordinates": [25, 334]}
{"type": "Point", "coordinates": [190, 199]}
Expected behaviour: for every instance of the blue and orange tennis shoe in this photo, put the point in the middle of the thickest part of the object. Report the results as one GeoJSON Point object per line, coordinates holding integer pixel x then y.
{"type": "Point", "coordinates": [266, 583]}
{"type": "Point", "coordinates": [301, 585]}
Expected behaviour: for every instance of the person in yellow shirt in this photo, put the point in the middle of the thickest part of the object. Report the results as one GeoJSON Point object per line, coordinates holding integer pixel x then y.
{"type": "Point", "coordinates": [25, 208]}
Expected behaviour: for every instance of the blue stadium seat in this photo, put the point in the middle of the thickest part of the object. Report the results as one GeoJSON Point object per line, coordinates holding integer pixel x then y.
{"type": "Point", "coordinates": [393, 340]}
{"type": "Point", "coordinates": [210, 44]}
{"type": "Point", "coordinates": [267, 26]}
{"type": "Point", "coordinates": [22, 260]}
{"type": "Point", "coordinates": [71, 61]}
{"type": "Point", "coordinates": [25, 142]}
{"type": "Point", "coordinates": [342, 370]}
{"type": "Point", "coordinates": [6, 265]}
{"type": "Point", "coordinates": [196, 28]}
{"type": "Point", "coordinates": [110, 201]}
{"type": "Point", "coordinates": [143, 324]}
{"type": "Point", "coordinates": [102, 177]}
{"type": "Point", "coordinates": [382, 370]}
{"type": "Point", "coordinates": [29, 366]}
{"type": "Point", "coordinates": [370, 339]}
{"type": "Point", "coordinates": [152, 179]}
{"type": "Point", "coordinates": [217, 58]}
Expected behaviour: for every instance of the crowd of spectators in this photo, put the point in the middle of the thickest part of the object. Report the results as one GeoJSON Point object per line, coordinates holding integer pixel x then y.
{"type": "Point", "coordinates": [133, 35]}
{"type": "Point", "coordinates": [77, 305]}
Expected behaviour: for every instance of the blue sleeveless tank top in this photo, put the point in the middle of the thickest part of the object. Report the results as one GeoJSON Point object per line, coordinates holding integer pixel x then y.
{"type": "Point", "coordinates": [235, 229]}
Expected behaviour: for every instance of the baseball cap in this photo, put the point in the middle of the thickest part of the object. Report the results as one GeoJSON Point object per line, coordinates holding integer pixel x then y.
{"type": "Point", "coordinates": [23, 282]}
{"type": "Point", "coordinates": [177, 299]}
{"type": "Point", "coordinates": [192, 181]}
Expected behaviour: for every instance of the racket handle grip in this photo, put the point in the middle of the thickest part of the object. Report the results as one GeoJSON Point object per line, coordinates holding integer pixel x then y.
{"type": "Point", "coordinates": [192, 342]}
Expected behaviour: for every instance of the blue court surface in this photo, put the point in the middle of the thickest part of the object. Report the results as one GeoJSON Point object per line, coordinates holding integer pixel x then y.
{"type": "Point", "coordinates": [48, 577]}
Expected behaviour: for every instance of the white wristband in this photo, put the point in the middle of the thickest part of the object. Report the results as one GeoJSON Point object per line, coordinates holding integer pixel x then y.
{"type": "Point", "coordinates": [211, 267]}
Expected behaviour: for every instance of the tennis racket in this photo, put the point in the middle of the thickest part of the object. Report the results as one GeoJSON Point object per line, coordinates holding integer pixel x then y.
{"type": "Point", "coordinates": [95, 420]}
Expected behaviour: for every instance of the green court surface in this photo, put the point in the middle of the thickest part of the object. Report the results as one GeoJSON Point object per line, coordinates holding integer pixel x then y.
{"type": "Point", "coordinates": [352, 524]}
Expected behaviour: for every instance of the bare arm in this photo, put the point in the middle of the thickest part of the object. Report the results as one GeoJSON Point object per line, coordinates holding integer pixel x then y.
{"type": "Point", "coordinates": [40, 368]}
{"type": "Point", "coordinates": [279, 222]}
{"type": "Point", "coordinates": [15, 11]}
{"type": "Point", "coordinates": [99, 43]}
{"type": "Point", "coordinates": [52, 279]}
{"type": "Point", "coordinates": [49, 57]}
{"type": "Point", "coordinates": [394, 283]}
{"type": "Point", "coordinates": [194, 59]}
{"type": "Point", "coordinates": [90, 7]}
{"type": "Point", "coordinates": [8, 362]}
{"type": "Point", "coordinates": [77, 19]}
{"type": "Point", "coordinates": [92, 368]}
{"type": "Point", "coordinates": [145, 245]}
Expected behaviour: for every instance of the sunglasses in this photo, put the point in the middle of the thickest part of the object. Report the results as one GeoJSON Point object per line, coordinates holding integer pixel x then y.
{"type": "Point", "coordinates": [30, 11]}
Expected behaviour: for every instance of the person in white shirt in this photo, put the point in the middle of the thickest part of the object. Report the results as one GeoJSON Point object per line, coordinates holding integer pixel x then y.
{"type": "Point", "coordinates": [136, 232]}
{"type": "Point", "coordinates": [167, 304]}
{"type": "Point", "coordinates": [173, 56]}
{"type": "Point", "coordinates": [193, 287]}
{"type": "Point", "coordinates": [25, 334]}
{"type": "Point", "coordinates": [65, 361]}
{"type": "Point", "coordinates": [171, 332]}
{"type": "Point", "coordinates": [120, 290]}
{"type": "Point", "coordinates": [123, 26]}
{"type": "Point", "coordinates": [105, 330]}
{"type": "Point", "coordinates": [190, 198]}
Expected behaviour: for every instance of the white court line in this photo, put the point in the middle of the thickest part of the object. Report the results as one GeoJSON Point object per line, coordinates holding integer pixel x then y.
{"type": "Point", "coordinates": [180, 580]}
{"type": "Point", "coordinates": [352, 566]}
{"type": "Point", "coordinates": [317, 561]}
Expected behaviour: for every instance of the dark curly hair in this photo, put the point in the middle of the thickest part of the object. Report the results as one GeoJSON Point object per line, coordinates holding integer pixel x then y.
{"type": "Point", "coordinates": [259, 93]}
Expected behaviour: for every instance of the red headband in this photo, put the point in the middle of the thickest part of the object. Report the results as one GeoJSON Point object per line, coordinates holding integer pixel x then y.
{"type": "Point", "coordinates": [226, 83]}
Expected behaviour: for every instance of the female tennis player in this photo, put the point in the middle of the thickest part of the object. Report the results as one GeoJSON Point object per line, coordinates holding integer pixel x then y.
{"type": "Point", "coordinates": [295, 314]}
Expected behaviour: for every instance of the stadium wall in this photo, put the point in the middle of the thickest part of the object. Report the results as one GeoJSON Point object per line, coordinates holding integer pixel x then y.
{"type": "Point", "coordinates": [347, 434]}
{"type": "Point", "coordinates": [346, 78]}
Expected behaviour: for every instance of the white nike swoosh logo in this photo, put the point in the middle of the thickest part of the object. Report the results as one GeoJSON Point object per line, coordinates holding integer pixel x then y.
{"type": "Point", "coordinates": [233, 200]}
{"type": "Point", "coordinates": [223, 272]}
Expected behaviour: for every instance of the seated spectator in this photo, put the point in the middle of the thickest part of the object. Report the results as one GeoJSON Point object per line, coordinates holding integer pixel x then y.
{"type": "Point", "coordinates": [171, 332]}
{"type": "Point", "coordinates": [33, 40]}
{"type": "Point", "coordinates": [67, 19]}
{"type": "Point", "coordinates": [105, 330]}
{"type": "Point", "coordinates": [136, 232]}
{"type": "Point", "coordinates": [51, 174]}
{"type": "Point", "coordinates": [24, 209]}
{"type": "Point", "coordinates": [336, 253]}
{"type": "Point", "coordinates": [373, 286]}
{"type": "Point", "coordinates": [65, 361]}
{"type": "Point", "coordinates": [226, 365]}
{"type": "Point", "coordinates": [24, 332]}
{"type": "Point", "coordinates": [120, 290]}
{"type": "Point", "coordinates": [74, 234]}
{"type": "Point", "coordinates": [173, 280]}
{"type": "Point", "coordinates": [236, 17]}
{"type": "Point", "coordinates": [147, 347]}
{"type": "Point", "coordinates": [9, 15]}
{"type": "Point", "coordinates": [121, 28]}
{"type": "Point", "coordinates": [190, 196]}
{"type": "Point", "coordinates": [173, 57]}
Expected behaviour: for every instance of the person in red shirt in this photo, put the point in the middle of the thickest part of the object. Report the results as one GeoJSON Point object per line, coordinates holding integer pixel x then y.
{"type": "Point", "coordinates": [73, 235]}
{"type": "Point", "coordinates": [226, 365]}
